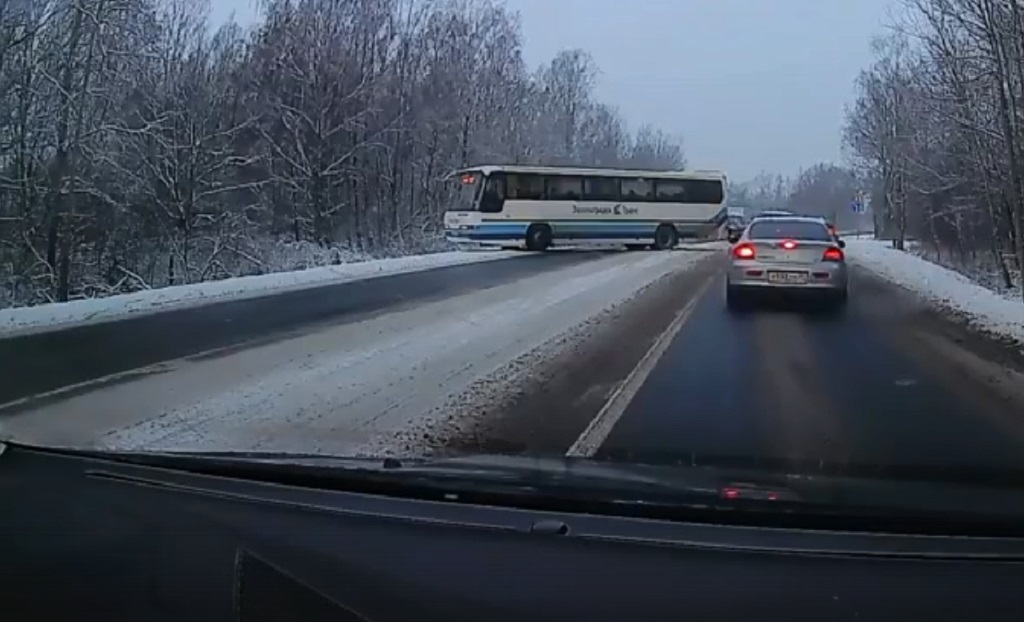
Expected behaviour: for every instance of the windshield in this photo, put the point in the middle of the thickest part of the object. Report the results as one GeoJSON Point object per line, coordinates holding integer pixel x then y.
{"type": "Point", "coordinates": [468, 192]}
{"type": "Point", "coordinates": [237, 229]}
{"type": "Point", "coordinates": [775, 229]}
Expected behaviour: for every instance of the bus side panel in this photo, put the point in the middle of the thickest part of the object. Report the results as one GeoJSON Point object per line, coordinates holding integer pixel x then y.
{"type": "Point", "coordinates": [500, 231]}
{"type": "Point", "coordinates": [584, 221]}
{"type": "Point", "coordinates": [480, 228]}
{"type": "Point", "coordinates": [603, 221]}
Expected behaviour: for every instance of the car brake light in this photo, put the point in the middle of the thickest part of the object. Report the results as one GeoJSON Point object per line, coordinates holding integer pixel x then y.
{"type": "Point", "coordinates": [743, 251]}
{"type": "Point", "coordinates": [789, 245]}
{"type": "Point", "coordinates": [833, 254]}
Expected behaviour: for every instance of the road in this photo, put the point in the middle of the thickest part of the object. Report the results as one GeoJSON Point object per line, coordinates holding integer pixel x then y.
{"type": "Point", "coordinates": [561, 354]}
{"type": "Point", "coordinates": [366, 367]}
{"type": "Point", "coordinates": [53, 360]}
{"type": "Point", "coordinates": [862, 389]}
{"type": "Point", "coordinates": [889, 382]}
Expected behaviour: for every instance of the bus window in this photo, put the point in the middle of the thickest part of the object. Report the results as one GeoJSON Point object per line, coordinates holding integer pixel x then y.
{"type": "Point", "coordinates": [525, 187]}
{"type": "Point", "coordinates": [561, 188]}
{"type": "Point", "coordinates": [493, 199]}
{"type": "Point", "coordinates": [637, 190]}
{"type": "Point", "coordinates": [705, 191]}
{"type": "Point", "coordinates": [601, 189]}
{"type": "Point", "coordinates": [670, 190]}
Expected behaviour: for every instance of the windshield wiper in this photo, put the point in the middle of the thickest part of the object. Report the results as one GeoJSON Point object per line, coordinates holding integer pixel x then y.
{"type": "Point", "coordinates": [621, 483]}
{"type": "Point", "coordinates": [696, 493]}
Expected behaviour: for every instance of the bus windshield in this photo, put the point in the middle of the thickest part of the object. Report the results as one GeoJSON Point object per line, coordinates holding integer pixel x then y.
{"type": "Point", "coordinates": [468, 195]}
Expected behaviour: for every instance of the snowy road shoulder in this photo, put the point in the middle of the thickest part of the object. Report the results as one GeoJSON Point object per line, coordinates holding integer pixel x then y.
{"type": "Point", "coordinates": [983, 308]}
{"type": "Point", "coordinates": [43, 318]}
{"type": "Point", "coordinates": [353, 388]}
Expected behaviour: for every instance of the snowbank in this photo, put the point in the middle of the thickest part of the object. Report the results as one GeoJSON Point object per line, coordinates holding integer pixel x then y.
{"type": "Point", "coordinates": [43, 318]}
{"type": "Point", "coordinates": [983, 307]}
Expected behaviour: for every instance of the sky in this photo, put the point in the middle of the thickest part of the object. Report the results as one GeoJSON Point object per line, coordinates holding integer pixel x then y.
{"type": "Point", "coordinates": [750, 85]}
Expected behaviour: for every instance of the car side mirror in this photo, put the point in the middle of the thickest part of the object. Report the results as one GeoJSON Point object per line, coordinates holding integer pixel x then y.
{"type": "Point", "coordinates": [841, 244]}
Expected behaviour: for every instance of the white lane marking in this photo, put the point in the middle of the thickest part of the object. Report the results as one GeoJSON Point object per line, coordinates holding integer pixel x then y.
{"type": "Point", "coordinates": [601, 426]}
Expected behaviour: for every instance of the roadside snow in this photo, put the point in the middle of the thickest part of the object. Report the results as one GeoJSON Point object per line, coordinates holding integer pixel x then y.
{"type": "Point", "coordinates": [983, 307]}
{"type": "Point", "coordinates": [55, 316]}
{"type": "Point", "coordinates": [356, 388]}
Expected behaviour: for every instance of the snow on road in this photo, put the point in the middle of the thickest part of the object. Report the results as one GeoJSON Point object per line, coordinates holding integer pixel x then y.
{"type": "Point", "coordinates": [25, 320]}
{"type": "Point", "coordinates": [984, 308]}
{"type": "Point", "coordinates": [350, 388]}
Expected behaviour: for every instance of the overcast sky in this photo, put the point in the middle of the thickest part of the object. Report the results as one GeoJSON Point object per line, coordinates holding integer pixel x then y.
{"type": "Point", "coordinates": [751, 85]}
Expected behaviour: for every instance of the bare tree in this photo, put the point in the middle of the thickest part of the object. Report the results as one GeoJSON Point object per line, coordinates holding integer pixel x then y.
{"type": "Point", "coordinates": [936, 125]}
{"type": "Point", "coordinates": [653, 148]}
{"type": "Point", "coordinates": [143, 148]}
{"type": "Point", "coordinates": [826, 190]}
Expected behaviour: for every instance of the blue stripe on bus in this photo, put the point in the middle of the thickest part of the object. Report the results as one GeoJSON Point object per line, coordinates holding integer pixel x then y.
{"type": "Point", "coordinates": [581, 233]}
{"type": "Point", "coordinates": [584, 229]}
{"type": "Point", "coordinates": [720, 217]}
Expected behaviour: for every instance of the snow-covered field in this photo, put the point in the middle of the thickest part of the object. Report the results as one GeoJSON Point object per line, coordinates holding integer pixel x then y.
{"type": "Point", "coordinates": [351, 388]}
{"type": "Point", "coordinates": [982, 307]}
{"type": "Point", "coordinates": [42, 318]}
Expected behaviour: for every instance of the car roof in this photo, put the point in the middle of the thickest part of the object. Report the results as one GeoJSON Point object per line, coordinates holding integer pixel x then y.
{"type": "Point", "coordinates": [791, 217]}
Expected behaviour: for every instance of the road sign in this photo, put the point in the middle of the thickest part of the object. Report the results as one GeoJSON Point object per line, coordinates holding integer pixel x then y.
{"type": "Point", "coordinates": [859, 204]}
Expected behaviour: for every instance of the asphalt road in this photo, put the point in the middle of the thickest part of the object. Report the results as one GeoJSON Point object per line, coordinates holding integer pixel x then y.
{"type": "Point", "coordinates": [35, 364]}
{"type": "Point", "coordinates": [890, 387]}
{"type": "Point", "coordinates": [887, 383]}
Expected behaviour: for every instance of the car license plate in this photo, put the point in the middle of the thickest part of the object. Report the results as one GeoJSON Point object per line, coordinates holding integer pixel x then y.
{"type": "Point", "coordinates": [789, 278]}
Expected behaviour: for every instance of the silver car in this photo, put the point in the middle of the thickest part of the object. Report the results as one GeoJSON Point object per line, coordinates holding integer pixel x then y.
{"type": "Point", "coordinates": [792, 254]}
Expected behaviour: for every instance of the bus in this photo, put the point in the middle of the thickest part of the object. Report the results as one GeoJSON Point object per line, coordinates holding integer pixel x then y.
{"type": "Point", "coordinates": [538, 207]}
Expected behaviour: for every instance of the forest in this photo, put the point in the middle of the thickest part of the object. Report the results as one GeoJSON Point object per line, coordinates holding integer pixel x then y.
{"type": "Point", "coordinates": [143, 146]}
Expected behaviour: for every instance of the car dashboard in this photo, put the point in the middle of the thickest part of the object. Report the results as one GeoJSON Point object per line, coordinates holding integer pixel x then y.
{"type": "Point", "coordinates": [89, 539]}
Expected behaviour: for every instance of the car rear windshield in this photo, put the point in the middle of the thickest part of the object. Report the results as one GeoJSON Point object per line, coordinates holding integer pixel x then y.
{"type": "Point", "coordinates": [789, 229]}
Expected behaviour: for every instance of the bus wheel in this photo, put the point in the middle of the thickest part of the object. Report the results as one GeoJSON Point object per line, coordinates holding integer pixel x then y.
{"type": "Point", "coordinates": [538, 237]}
{"type": "Point", "coordinates": [665, 238]}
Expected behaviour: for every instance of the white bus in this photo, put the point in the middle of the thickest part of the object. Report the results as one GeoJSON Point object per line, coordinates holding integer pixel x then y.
{"type": "Point", "coordinates": [537, 207]}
